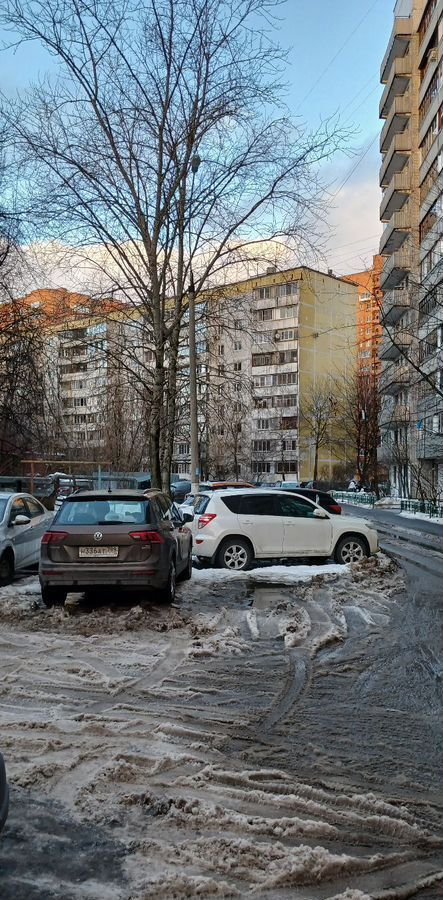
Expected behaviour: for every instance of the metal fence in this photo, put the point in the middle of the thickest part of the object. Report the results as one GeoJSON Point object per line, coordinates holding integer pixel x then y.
{"type": "Point", "coordinates": [356, 498]}
{"type": "Point", "coordinates": [429, 507]}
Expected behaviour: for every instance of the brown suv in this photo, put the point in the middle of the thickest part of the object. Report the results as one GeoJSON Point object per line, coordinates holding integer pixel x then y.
{"type": "Point", "coordinates": [121, 539]}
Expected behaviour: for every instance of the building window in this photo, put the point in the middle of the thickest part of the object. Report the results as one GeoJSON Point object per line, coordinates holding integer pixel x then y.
{"type": "Point", "coordinates": [260, 468]}
{"type": "Point", "coordinates": [237, 345]}
{"type": "Point", "coordinates": [263, 315]}
{"type": "Point", "coordinates": [183, 449]}
{"type": "Point", "coordinates": [263, 424]}
{"type": "Point", "coordinates": [237, 367]}
{"type": "Point", "coordinates": [287, 312]}
{"type": "Point", "coordinates": [221, 349]}
{"type": "Point", "coordinates": [261, 446]}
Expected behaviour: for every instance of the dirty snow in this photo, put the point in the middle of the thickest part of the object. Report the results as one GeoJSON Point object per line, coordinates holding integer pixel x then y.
{"type": "Point", "coordinates": [148, 723]}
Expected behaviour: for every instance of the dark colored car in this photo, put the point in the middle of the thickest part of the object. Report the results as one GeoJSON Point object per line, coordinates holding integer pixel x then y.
{"type": "Point", "coordinates": [4, 794]}
{"type": "Point", "coordinates": [121, 539]}
{"type": "Point", "coordinates": [321, 497]}
{"type": "Point", "coordinates": [179, 489]}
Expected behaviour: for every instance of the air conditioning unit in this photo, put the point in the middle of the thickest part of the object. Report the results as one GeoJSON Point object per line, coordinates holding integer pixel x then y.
{"type": "Point", "coordinates": [433, 55]}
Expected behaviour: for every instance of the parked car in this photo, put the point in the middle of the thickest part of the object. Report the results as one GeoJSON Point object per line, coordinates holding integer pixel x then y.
{"type": "Point", "coordinates": [122, 539]}
{"type": "Point", "coordinates": [23, 521]}
{"type": "Point", "coordinates": [232, 528]}
{"type": "Point", "coordinates": [216, 486]}
{"type": "Point", "coordinates": [4, 793]}
{"type": "Point", "coordinates": [179, 489]}
{"type": "Point", "coordinates": [322, 498]}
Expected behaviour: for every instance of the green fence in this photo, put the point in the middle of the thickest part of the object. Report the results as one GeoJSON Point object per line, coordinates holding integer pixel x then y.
{"type": "Point", "coordinates": [356, 499]}
{"type": "Point", "coordinates": [431, 509]}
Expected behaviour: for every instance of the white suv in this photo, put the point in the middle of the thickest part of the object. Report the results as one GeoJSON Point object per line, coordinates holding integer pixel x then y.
{"type": "Point", "coordinates": [233, 527]}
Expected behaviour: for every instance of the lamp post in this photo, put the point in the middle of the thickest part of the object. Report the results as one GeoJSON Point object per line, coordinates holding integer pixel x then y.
{"type": "Point", "coordinates": [195, 461]}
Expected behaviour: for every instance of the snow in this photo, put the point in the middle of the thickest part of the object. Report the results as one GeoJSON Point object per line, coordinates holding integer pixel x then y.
{"type": "Point", "coordinates": [419, 515]}
{"type": "Point", "coordinates": [150, 722]}
{"type": "Point", "coordinates": [271, 574]}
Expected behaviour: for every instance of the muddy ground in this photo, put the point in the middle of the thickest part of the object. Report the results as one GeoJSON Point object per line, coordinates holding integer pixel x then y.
{"type": "Point", "coordinates": [257, 739]}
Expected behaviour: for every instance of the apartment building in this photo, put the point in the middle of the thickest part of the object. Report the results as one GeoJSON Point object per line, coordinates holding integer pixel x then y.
{"type": "Point", "coordinates": [283, 336]}
{"type": "Point", "coordinates": [369, 327]}
{"type": "Point", "coordinates": [412, 247]}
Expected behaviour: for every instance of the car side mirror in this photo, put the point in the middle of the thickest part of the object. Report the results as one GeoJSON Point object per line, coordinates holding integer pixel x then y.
{"type": "Point", "coordinates": [21, 520]}
{"type": "Point", "coordinates": [320, 514]}
{"type": "Point", "coordinates": [187, 516]}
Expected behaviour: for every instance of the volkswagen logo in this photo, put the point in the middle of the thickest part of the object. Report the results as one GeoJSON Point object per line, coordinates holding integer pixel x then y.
{"type": "Point", "coordinates": [98, 536]}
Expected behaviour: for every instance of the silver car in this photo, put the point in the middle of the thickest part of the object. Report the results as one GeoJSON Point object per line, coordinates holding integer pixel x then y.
{"type": "Point", "coordinates": [23, 522]}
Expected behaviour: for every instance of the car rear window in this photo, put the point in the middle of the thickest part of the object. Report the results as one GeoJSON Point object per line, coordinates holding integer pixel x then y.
{"type": "Point", "coordinates": [201, 502]}
{"type": "Point", "coordinates": [104, 512]}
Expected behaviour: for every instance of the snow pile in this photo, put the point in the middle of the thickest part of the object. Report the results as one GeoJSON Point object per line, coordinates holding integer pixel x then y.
{"type": "Point", "coordinates": [268, 574]}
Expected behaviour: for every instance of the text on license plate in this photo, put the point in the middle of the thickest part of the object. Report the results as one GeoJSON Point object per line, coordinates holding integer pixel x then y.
{"type": "Point", "coordinates": [84, 552]}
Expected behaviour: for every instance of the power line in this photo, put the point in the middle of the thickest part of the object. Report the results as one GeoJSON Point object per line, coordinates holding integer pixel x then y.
{"type": "Point", "coordinates": [337, 54]}
{"type": "Point", "coordinates": [354, 168]}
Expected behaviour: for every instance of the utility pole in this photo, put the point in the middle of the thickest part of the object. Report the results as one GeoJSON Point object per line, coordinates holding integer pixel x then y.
{"type": "Point", "coordinates": [195, 457]}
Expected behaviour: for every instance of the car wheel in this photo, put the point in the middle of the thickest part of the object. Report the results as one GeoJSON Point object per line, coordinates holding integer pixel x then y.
{"type": "Point", "coordinates": [234, 554]}
{"type": "Point", "coordinates": [167, 594]}
{"type": "Point", "coordinates": [187, 571]}
{"type": "Point", "coordinates": [350, 549]}
{"type": "Point", "coordinates": [6, 569]}
{"type": "Point", "coordinates": [53, 596]}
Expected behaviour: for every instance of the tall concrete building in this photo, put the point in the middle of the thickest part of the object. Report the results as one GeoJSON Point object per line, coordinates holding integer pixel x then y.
{"type": "Point", "coordinates": [288, 337]}
{"type": "Point", "coordinates": [411, 179]}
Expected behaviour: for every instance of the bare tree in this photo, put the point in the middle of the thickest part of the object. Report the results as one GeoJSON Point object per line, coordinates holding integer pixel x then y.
{"type": "Point", "coordinates": [108, 153]}
{"type": "Point", "coordinates": [357, 412]}
{"type": "Point", "coordinates": [317, 413]}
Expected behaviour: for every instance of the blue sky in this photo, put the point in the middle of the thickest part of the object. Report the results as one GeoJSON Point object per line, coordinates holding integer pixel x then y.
{"type": "Point", "coordinates": [334, 63]}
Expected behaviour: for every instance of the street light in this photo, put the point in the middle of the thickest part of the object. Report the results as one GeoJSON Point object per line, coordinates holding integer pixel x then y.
{"type": "Point", "coordinates": [195, 461]}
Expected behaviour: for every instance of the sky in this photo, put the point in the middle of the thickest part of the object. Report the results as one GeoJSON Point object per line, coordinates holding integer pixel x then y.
{"type": "Point", "coordinates": [333, 68]}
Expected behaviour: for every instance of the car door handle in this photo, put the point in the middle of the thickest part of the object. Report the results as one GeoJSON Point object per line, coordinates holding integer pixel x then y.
{"type": "Point", "coordinates": [247, 522]}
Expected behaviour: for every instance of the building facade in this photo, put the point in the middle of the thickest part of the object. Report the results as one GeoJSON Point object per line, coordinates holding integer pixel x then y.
{"type": "Point", "coordinates": [369, 313]}
{"type": "Point", "coordinates": [412, 247]}
{"type": "Point", "coordinates": [275, 340]}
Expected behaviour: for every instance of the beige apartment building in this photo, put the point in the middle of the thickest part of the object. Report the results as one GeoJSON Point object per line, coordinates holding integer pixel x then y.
{"type": "Point", "coordinates": [285, 337]}
{"type": "Point", "coordinates": [411, 178]}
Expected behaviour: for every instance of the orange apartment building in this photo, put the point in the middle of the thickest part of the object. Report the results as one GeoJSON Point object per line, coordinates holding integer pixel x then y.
{"type": "Point", "coordinates": [369, 327]}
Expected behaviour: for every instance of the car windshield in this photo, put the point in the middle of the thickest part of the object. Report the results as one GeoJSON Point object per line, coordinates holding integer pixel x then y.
{"type": "Point", "coordinates": [3, 504]}
{"type": "Point", "coordinates": [104, 512]}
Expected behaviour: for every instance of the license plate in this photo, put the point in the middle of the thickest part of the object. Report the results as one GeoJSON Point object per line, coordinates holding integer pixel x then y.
{"type": "Point", "coordinates": [94, 552]}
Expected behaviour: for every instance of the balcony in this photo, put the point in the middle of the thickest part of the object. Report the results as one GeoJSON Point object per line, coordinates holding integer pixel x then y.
{"type": "Point", "coordinates": [397, 83]}
{"type": "Point", "coordinates": [394, 379]}
{"type": "Point", "coordinates": [396, 121]}
{"type": "Point", "coordinates": [396, 194]}
{"type": "Point", "coordinates": [394, 305]}
{"type": "Point", "coordinates": [395, 157]}
{"type": "Point", "coordinates": [395, 269]}
{"type": "Point", "coordinates": [390, 350]}
{"type": "Point", "coordinates": [397, 46]}
{"type": "Point", "coordinates": [395, 232]}
{"type": "Point", "coordinates": [400, 414]}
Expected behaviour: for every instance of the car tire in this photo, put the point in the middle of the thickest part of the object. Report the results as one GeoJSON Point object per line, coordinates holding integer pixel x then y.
{"type": "Point", "coordinates": [52, 596]}
{"type": "Point", "coordinates": [6, 569]}
{"type": "Point", "coordinates": [350, 549]}
{"type": "Point", "coordinates": [187, 571]}
{"type": "Point", "coordinates": [235, 555]}
{"type": "Point", "coordinates": [167, 594]}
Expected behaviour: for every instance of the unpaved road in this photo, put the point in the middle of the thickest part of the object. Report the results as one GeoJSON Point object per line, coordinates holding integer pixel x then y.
{"type": "Point", "coordinates": [281, 741]}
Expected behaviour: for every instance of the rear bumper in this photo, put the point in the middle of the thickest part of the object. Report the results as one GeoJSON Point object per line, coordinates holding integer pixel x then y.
{"type": "Point", "coordinates": [4, 794]}
{"type": "Point", "coordinates": [76, 578]}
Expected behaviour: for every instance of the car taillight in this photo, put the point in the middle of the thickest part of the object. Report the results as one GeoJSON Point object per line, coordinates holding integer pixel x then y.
{"type": "Point", "coordinates": [54, 537]}
{"type": "Point", "coordinates": [206, 519]}
{"type": "Point", "coordinates": [151, 537]}
{"type": "Point", "coordinates": [335, 508]}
